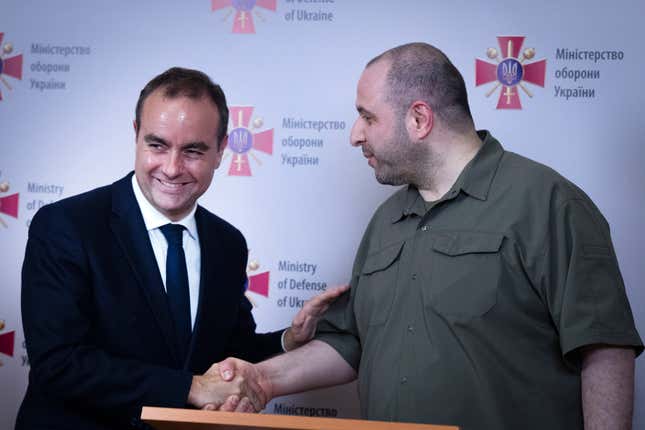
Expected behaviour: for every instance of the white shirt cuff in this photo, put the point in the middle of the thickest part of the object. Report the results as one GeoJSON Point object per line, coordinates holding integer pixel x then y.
{"type": "Point", "coordinates": [282, 340]}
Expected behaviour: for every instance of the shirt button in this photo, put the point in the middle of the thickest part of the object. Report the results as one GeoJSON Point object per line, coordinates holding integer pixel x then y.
{"type": "Point", "coordinates": [414, 276]}
{"type": "Point", "coordinates": [404, 380]}
{"type": "Point", "coordinates": [425, 228]}
{"type": "Point", "coordinates": [410, 328]}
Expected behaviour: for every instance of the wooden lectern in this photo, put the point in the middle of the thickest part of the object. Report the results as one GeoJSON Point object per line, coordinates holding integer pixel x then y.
{"type": "Point", "coordinates": [189, 419]}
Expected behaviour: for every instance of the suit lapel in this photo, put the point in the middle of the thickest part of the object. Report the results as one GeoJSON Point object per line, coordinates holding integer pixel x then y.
{"type": "Point", "coordinates": [216, 309]}
{"type": "Point", "coordinates": [130, 232]}
{"type": "Point", "coordinates": [207, 258]}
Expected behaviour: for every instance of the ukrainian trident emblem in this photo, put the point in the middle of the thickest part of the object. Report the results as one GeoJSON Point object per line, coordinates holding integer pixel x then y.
{"type": "Point", "coordinates": [511, 71]}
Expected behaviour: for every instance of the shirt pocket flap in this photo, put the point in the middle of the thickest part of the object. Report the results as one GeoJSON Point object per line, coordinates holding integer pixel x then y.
{"type": "Point", "coordinates": [468, 243]}
{"type": "Point", "coordinates": [382, 259]}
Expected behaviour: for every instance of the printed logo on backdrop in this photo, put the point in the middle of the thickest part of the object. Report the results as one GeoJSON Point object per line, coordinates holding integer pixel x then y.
{"type": "Point", "coordinates": [244, 143]}
{"type": "Point", "coordinates": [578, 71]}
{"type": "Point", "coordinates": [299, 283]}
{"type": "Point", "coordinates": [305, 146]}
{"type": "Point", "coordinates": [7, 342]}
{"type": "Point", "coordinates": [10, 65]}
{"type": "Point", "coordinates": [52, 65]}
{"type": "Point", "coordinates": [8, 203]}
{"type": "Point", "coordinates": [257, 283]}
{"type": "Point", "coordinates": [510, 72]}
{"type": "Point", "coordinates": [244, 12]}
{"type": "Point", "coordinates": [310, 11]}
{"type": "Point", "coordinates": [38, 195]}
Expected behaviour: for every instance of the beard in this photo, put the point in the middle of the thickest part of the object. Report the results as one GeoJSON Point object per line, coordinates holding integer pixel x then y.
{"type": "Point", "coordinates": [402, 161]}
{"type": "Point", "coordinates": [390, 174]}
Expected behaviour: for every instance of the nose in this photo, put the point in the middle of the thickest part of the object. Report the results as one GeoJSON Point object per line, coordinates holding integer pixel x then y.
{"type": "Point", "coordinates": [173, 165]}
{"type": "Point", "coordinates": [357, 136]}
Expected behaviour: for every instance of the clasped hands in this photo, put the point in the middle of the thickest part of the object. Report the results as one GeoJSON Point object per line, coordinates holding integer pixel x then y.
{"type": "Point", "coordinates": [231, 385]}
{"type": "Point", "coordinates": [236, 385]}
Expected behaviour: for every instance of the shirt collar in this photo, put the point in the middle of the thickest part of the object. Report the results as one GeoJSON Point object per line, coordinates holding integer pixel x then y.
{"type": "Point", "coordinates": [479, 173]}
{"type": "Point", "coordinates": [475, 180]}
{"type": "Point", "coordinates": [153, 219]}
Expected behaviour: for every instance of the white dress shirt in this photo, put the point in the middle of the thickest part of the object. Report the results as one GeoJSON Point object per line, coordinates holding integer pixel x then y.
{"type": "Point", "coordinates": [154, 219]}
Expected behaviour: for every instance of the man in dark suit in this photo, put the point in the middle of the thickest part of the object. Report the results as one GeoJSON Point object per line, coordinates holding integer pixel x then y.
{"type": "Point", "coordinates": [132, 290]}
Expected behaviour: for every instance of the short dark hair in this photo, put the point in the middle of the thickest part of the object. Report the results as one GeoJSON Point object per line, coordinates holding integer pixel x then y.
{"type": "Point", "coordinates": [180, 82]}
{"type": "Point", "coordinates": [419, 71]}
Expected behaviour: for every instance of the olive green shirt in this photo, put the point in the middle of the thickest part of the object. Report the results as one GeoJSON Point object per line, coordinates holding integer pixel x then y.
{"type": "Point", "coordinates": [471, 313]}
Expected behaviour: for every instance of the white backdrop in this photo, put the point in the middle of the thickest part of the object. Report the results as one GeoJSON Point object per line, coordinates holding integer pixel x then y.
{"type": "Point", "coordinates": [71, 72]}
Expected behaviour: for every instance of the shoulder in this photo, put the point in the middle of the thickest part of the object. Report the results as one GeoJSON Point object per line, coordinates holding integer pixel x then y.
{"type": "Point", "coordinates": [73, 212]}
{"type": "Point", "coordinates": [222, 228]}
{"type": "Point", "coordinates": [526, 177]}
{"type": "Point", "coordinates": [540, 196]}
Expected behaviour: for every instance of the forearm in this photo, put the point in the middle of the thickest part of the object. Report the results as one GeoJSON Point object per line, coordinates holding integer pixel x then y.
{"type": "Point", "coordinates": [314, 365]}
{"type": "Point", "coordinates": [607, 388]}
{"type": "Point", "coordinates": [248, 345]}
{"type": "Point", "coordinates": [255, 347]}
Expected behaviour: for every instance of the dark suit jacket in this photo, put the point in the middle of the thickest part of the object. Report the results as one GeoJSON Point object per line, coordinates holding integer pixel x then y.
{"type": "Point", "coordinates": [97, 323]}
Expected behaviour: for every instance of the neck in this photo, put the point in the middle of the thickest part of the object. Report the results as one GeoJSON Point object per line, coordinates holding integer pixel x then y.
{"type": "Point", "coordinates": [452, 152]}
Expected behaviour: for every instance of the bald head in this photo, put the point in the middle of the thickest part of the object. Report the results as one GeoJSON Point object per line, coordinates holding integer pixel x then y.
{"type": "Point", "coordinates": [419, 71]}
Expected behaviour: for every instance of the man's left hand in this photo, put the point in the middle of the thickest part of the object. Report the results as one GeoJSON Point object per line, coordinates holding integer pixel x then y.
{"type": "Point", "coordinates": [303, 326]}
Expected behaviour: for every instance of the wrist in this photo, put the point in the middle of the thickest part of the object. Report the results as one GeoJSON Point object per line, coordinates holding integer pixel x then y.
{"type": "Point", "coordinates": [264, 381]}
{"type": "Point", "coordinates": [195, 392]}
{"type": "Point", "coordinates": [287, 340]}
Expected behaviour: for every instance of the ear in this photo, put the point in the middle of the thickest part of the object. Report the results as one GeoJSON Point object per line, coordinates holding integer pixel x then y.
{"type": "Point", "coordinates": [134, 126]}
{"type": "Point", "coordinates": [419, 120]}
{"type": "Point", "coordinates": [220, 150]}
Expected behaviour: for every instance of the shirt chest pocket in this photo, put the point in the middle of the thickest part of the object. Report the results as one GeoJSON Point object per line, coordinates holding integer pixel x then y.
{"type": "Point", "coordinates": [376, 285]}
{"type": "Point", "coordinates": [465, 271]}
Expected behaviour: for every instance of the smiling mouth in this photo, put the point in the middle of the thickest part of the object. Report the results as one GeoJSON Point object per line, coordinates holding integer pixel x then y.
{"type": "Point", "coordinates": [171, 185]}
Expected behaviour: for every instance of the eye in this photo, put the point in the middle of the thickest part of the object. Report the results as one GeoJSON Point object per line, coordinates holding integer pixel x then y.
{"type": "Point", "coordinates": [193, 153]}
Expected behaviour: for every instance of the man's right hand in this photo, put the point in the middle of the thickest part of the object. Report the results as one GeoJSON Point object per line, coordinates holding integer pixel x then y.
{"type": "Point", "coordinates": [230, 370]}
{"type": "Point", "coordinates": [230, 385]}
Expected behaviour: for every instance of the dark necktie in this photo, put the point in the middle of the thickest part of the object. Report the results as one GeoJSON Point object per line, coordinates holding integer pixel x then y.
{"type": "Point", "coordinates": [177, 284]}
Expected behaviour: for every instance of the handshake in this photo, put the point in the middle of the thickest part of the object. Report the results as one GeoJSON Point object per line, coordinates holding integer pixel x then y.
{"type": "Point", "coordinates": [236, 385]}
{"type": "Point", "coordinates": [231, 385]}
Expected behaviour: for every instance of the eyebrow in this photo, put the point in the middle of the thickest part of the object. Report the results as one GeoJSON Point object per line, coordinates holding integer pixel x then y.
{"type": "Point", "coordinates": [199, 145]}
{"type": "Point", "coordinates": [361, 110]}
{"type": "Point", "coordinates": [153, 138]}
